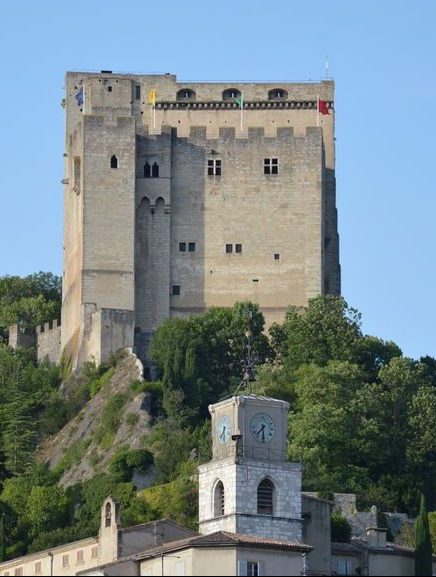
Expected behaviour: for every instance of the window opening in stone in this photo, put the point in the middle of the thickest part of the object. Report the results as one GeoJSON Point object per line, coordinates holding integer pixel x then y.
{"type": "Point", "coordinates": [271, 166]}
{"type": "Point", "coordinates": [265, 493]}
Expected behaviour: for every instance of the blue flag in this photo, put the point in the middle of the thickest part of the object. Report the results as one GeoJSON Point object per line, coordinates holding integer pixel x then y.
{"type": "Point", "coordinates": [79, 97]}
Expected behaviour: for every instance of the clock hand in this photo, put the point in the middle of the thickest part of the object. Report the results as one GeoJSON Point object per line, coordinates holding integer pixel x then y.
{"type": "Point", "coordinates": [223, 433]}
{"type": "Point", "coordinates": [261, 431]}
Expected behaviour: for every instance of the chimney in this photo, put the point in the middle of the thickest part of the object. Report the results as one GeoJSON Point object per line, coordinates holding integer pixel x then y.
{"type": "Point", "coordinates": [376, 537]}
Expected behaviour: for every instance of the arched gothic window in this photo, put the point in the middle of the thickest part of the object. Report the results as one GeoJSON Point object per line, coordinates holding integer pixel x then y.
{"type": "Point", "coordinates": [155, 170]}
{"type": "Point", "coordinates": [265, 497]}
{"type": "Point", "coordinates": [108, 515]}
{"type": "Point", "coordinates": [277, 94]}
{"type": "Point", "coordinates": [147, 170]}
{"type": "Point", "coordinates": [231, 94]}
{"type": "Point", "coordinates": [185, 94]}
{"type": "Point", "coordinates": [218, 499]}
{"type": "Point", "coordinates": [114, 162]}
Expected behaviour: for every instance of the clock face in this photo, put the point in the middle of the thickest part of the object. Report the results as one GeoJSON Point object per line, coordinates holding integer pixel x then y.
{"type": "Point", "coordinates": [224, 429]}
{"type": "Point", "coordinates": [262, 428]}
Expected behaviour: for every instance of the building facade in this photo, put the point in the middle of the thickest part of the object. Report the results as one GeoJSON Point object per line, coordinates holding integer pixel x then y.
{"type": "Point", "coordinates": [180, 196]}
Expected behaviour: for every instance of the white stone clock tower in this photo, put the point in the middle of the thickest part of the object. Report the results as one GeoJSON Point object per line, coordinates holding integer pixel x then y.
{"type": "Point", "coordinates": [249, 487]}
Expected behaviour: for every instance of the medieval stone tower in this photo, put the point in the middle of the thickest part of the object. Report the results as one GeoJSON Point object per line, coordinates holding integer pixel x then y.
{"type": "Point", "coordinates": [180, 196]}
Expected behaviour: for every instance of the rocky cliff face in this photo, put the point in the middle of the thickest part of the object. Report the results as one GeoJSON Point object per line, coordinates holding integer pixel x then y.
{"type": "Point", "coordinates": [116, 417]}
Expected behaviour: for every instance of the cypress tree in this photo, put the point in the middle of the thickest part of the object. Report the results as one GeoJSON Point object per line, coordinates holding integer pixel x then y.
{"type": "Point", "coordinates": [2, 540]}
{"type": "Point", "coordinates": [423, 553]}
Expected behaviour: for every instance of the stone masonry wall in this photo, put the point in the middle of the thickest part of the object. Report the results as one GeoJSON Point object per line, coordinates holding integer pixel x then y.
{"type": "Point", "coordinates": [48, 338]}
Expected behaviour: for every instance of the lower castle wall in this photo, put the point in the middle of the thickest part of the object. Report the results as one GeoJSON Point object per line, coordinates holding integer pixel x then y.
{"type": "Point", "coordinates": [48, 341]}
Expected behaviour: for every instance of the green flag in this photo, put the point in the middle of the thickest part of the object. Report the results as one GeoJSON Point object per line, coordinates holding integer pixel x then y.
{"type": "Point", "coordinates": [240, 100]}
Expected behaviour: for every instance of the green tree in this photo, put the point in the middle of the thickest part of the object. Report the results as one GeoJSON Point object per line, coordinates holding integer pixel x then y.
{"type": "Point", "coordinates": [423, 557]}
{"type": "Point", "coordinates": [2, 539]}
{"type": "Point", "coordinates": [326, 330]}
{"type": "Point", "coordinates": [202, 356]}
{"type": "Point", "coordinates": [47, 508]}
{"type": "Point", "coordinates": [29, 300]}
{"type": "Point", "coordinates": [340, 529]}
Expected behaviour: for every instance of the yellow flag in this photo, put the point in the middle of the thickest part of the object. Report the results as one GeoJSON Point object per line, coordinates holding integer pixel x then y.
{"type": "Point", "coordinates": [152, 97]}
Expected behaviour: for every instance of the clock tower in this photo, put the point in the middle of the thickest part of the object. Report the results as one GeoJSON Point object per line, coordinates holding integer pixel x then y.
{"type": "Point", "coordinates": [249, 487]}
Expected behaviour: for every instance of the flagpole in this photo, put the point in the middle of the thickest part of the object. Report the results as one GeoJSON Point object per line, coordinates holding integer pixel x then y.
{"type": "Point", "coordinates": [317, 110]}
{"type": "Point", "coordinates": [154, 116]}
{"type": "Point", "coordinates": [242, 109]}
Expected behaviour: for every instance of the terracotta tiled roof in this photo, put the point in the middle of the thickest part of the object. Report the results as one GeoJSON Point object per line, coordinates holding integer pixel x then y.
{"type": "Point", "coordinates": [226, 539]}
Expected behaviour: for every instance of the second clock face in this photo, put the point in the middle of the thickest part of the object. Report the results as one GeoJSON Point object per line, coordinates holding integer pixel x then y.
{"type": "Point", "coordinates": [224, 429]}
{"type": "Point", "coordinates": [262, 428]}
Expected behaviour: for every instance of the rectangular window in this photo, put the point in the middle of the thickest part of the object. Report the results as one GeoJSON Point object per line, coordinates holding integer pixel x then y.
{"type": "Point", "coordinates": [238, 248]}
{"type": "Point", "coordinates": [18, 571]}
{"type": "Point", "coordinates": [253, 568]}
{"type": "Point", "coordinates": [214, 167]}
{"type": "Point", "coordinates": [229, 248]}
{"type": "Point", "coordinates": [80, 558]}
{"type": "Point", "coordinates": [176, 290]}
{"type": "Point", "coordinates": [191, 247]}
{"type": "Point", "coordinates": [65, 561]}
{"type": "Point", "coordinates": [137, 92]}
{"type": "Point", "coordinates": [271, 166]}
{"type": "Point", "coordinates": [276, 256]}
{"type": "Point", "coordinates": [182, 246]}
{"type": "Point", "coordinates": [94, 552]}
{"type": "Point", "coordinates": [38, 570]}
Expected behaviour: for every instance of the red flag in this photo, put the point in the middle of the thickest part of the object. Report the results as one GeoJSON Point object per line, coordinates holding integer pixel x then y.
{"type": "Point", "coordinates": [322, 107]}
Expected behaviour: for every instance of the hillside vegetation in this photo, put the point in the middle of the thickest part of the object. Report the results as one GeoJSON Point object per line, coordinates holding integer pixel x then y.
{"type": "Point", "coordinates": [362, 420]}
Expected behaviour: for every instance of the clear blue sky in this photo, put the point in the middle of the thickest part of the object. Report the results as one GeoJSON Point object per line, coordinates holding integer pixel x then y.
{"type": "Point", "coordinates": [381, 55]}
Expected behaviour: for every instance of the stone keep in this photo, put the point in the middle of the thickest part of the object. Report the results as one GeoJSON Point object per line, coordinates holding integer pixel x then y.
{"type": "Point", "coordinates": [183, 200]}
{"type": "Point", "coordinates": [249, 487]}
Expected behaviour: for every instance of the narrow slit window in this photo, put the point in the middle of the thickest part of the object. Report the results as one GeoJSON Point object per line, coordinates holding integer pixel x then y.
{"type": "Point", "coordinates": [114, 162]}
{"type": "Point", "coordinates": [155, 170]}
{"type": "Point", "coordinates": [137, 92]}
{"type": "Point", "coordinates": [147, 170]}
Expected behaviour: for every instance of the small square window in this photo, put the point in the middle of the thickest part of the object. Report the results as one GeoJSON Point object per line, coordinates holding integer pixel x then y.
{"type": "Point", "coordinates": [229, 248]}
{"type": "Point", "coordinates": [176, 290]}
{"type": "Point", "coordinates": [182, 246]}
{"type": "Point", "coordinates": [191, 247]}
{"type": "Point", "coordinates": [271, 166]}
{"type": "Point", "coordinates": [276, 256]}
{"type": "Point", "coordinates": [238, 247]}
{"type": "Point", "coordinates": [109, 88]}
{"type": "Point", "coordinates": [214, 167]}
